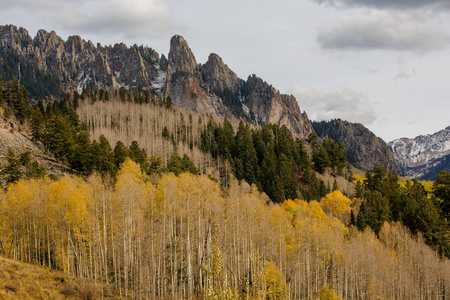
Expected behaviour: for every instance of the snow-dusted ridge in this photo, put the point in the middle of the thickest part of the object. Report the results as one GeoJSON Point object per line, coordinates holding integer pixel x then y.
{"type": "Point", "coordinates": [421, 153]}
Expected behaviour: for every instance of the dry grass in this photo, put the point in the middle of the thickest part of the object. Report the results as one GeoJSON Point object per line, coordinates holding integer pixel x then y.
{"type": "Point", "coordinates": [25, 281]}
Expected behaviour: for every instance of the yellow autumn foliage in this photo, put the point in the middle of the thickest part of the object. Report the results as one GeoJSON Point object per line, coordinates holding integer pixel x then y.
{"type": "Point", "coordinates": [338, 205]}
{"type": "Point", "coordinates": [182, 237]}
{"type": "Point", "coordinates": [328, 294]}
{"type": "Point", "coordinates": [275, 283]}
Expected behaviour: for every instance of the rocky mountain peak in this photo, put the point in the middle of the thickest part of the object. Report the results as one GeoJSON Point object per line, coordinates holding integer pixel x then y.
{"type": "Point", "coordinates": [181, 58]}
{"type": "Point", "coordinates": [163, 63]}
{"type": "Point", "coordinates": [41, 38]}
{"type": "Point", "coordinates": [75, 44]}
{"type": "Point", "coordinates": [17, 38]}
{"type": "Point", "coordinates": [217, 74]}
{"type": "Point", "coordinates": [215, 59]}
{"type": "Point", "coordinates": [47, 41]}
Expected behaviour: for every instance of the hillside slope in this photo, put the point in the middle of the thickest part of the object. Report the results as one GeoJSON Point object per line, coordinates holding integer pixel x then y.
{"type": "Point", "coordinates": [20, 280]}
{"type": "Point", "coordinates": [17, 138]}
{"type": "Point", "coordinates": [209, 244]}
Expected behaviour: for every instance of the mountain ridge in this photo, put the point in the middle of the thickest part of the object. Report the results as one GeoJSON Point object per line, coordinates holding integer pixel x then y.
{"type": "Point", "coordinates": [423, 156]}
{"type": "Point", "coordinates": [364, 149]}
{"type": "Point", "coordinates": [76, 64]}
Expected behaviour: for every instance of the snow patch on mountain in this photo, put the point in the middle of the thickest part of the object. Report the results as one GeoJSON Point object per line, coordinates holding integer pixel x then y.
{"type": "Point", "coordinates": [160, 81]}
{"type": "Point", "coordinates": [417, 156]}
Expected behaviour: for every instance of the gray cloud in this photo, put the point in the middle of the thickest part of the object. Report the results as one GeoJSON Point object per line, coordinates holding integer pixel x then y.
{"type": "Point", "coordinates": [389, 4]}
{"type": "Point", "coordinates": [118, 18]}
{"type": "Point", "coordinates": [342, 103]}
{"type": "Point", "coordinates": [403, 75]}
{"type": "Point", "coordinates": [386, 31]}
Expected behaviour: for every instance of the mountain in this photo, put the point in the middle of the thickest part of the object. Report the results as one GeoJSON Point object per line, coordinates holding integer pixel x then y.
{"type": "Point", "coordinates": [48, 66]}
{"type": "Point", "coordinates": [364, 149]}
{"type": "Point", "coordinates": [423, 156]}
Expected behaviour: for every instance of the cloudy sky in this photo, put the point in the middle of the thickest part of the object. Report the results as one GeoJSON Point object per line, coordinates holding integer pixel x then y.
{"type": "Point", "coordinates": [383, 63]}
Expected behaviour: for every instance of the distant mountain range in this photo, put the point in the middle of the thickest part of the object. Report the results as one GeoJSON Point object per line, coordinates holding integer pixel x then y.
{"type": "Point", "coordinates": [423, 156]}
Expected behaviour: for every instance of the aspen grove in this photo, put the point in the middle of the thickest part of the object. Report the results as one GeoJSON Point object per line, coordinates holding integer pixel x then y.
{"type": "Point", "coordinates": [182, 237]}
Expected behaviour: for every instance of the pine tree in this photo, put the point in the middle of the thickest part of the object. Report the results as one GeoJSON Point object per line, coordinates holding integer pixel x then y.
{"type": "Point", "coordinates": [441, 189]}
{"type": "Point", "coordinates": [285, 174]}
{"type": "Point", "coordinates": [80, 156]}
{"type": "Point", "coordinates": [359, 190]}
{"type": "Point", "coordinates": [12, 169]}
{"type": "Point", "coordinates": [120, 154]}
{"type": "Point", "coordinates": [17, 99]}
{"type": "Point", "coordinates": [105, 158]}
{"type": "Point", "coordinates": [335, 185]}
{"type": "Point", "coordinates": [34, 170]}
{"type": "Point", "coordinates": [246, 163]}
{"type": "Point", "coordinates": [137, 154]}
{"type": "Point", "coordinates": [37, 124]}
{"type": "Point", "coordinates": [321, 159]}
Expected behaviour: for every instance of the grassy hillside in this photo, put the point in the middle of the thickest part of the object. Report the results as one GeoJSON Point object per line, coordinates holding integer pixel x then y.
{"type": "Point", "coordinates": [26, 281]}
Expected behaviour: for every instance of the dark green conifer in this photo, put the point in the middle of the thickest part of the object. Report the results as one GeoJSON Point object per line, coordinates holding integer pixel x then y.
{"type": "Point", "coordinates": [12, 171]}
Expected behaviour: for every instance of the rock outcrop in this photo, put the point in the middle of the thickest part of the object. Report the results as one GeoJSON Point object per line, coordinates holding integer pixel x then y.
{"type": "Point", "coordinates": [268, 105]}
{"type": "Point", "coordinates": [184, 82]}
{"type": "Point", "coordinates": [218, 76]}
{"type": "Point", "coordinates": [211, 88]}
{"type": "Point", "coordinates": [363, 148]}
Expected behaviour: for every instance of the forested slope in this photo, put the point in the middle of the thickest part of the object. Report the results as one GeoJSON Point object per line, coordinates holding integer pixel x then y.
{"type": "Point", "coordinates": [269, 156]}
{"type": "Point", "coordinates": [198, 207]}
{"type": "Point", "coordinates": [181, 237]}
{"type": "Point", "coordinates": [160, 128]}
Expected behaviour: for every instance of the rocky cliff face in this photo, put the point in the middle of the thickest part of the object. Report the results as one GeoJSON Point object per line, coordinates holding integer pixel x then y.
{"type": "Point", "coordinates": [184, 84]}
{"type": "Point", "coordinates": [423, 156]}
{"type": "Point", "coordinates": [79, 64]}
{"type": "Point", "coordinates": [210, 88]}
{"type": "Point", "coordinates": [270, 106]}
{"type": "Point", "coordinates": [363, 148]}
